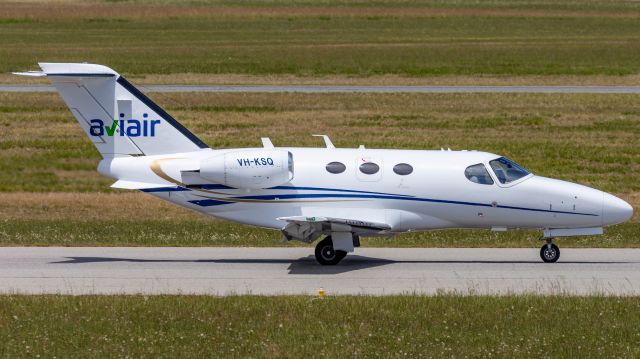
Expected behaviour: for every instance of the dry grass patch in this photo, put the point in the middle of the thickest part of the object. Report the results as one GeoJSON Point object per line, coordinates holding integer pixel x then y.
{"type": "Point", "coordinates": [81, 207]}
{"type": "Point", "coordinates": [374, 80]}
{"type": "Point", "coordinates": [74, 9]}
{"type": "Point", "coordinates": [385, 80]}
{"type": "Point", "coordinates": [586, 138]}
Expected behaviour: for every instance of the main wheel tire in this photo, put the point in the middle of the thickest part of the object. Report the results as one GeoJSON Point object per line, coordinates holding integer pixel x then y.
{"type": "Point", "coordinates": [549, 253]}
{"type": "Point", "coordinates": [326, 255]}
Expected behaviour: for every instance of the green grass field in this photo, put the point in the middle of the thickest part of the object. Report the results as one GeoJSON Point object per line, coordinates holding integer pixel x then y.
{"type": "Point", "coordinates": [294, 327]}
{"type": "Point", "coordinates": [425, 39]}
{"type": "Point", "coordinates": [545, 5]}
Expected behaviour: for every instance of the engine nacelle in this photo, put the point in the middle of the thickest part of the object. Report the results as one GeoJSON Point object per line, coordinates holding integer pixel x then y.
{"type": "Point", "coordinates": [251, 169]}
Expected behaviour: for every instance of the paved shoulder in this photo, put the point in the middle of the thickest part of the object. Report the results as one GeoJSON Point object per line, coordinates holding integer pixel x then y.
{"type": "Point", "coordinates": [270, 271]}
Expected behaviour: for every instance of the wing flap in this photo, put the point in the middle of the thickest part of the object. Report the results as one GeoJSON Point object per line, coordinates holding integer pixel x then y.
{"type": "Point", "coordinates": [307, 229]}
{"type": "Point", "coordinates": [342, 221]}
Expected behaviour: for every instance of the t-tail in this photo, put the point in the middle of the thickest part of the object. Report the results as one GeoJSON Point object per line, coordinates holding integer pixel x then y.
{"type": "Point", "coordinates": [118, 118]}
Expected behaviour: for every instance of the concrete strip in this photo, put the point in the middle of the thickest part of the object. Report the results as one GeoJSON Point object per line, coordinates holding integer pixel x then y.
{"type": "Point", "coordinates": [356, 89]}
{"type": "Point", "coordinates": [270, 271]}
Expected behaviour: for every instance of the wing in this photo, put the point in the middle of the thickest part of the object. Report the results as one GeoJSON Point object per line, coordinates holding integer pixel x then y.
{"type": "Point", "coordinates": [307, 229]}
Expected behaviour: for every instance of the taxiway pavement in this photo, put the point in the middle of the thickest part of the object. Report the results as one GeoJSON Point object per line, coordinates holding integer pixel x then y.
{"type": "Point", "coordinates": [270, 271]}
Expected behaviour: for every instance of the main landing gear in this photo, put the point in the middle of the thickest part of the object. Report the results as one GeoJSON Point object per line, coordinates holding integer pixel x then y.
{"type": "Point", "coordinates": [549, 252]}
{"type": "Point", "coordinates": [326, 255]}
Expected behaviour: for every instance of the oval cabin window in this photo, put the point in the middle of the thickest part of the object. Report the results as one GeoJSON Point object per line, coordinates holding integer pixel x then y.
{"type": "Point", "coordinates": [369, 168]}
{"type": "Point", "coordinates": [403, 169]}
{"type": "Point", "coordinates": [336, 167]}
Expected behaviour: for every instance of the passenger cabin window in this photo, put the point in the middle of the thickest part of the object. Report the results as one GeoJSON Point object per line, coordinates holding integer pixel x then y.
{"type": "Point", "coordinates": [335, 167]}
{"type": "Point", "coordinates": [506, 170]}
{"type": "Point", "coordinates": [478, 174]}
{"type": "Point", "coordinates": [369, 168]}
{"type": "Point", "coordinates": [403, 169]}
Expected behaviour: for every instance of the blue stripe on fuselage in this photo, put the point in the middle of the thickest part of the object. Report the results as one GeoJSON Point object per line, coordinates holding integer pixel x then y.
{"type": "Point", "coordinates": [275, 198]}
{"type": "Point", "coordinates": [209, 202]}
{"type": "Point", "coordinates": [293, 188]}
{"type": "Point", "coordinates": [284, 188]}
{"type": "Point", "coordinates": [164, 189]}
{"type": "Point", "coordinates": [352, 194]}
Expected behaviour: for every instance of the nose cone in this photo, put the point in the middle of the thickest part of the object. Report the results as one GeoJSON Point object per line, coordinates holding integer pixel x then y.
{"type": "Point", "coordinates": [615, 210]}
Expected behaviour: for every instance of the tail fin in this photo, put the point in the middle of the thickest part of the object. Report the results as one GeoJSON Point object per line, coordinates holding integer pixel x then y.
{"type": "Point", "coordinates": [116, 116]}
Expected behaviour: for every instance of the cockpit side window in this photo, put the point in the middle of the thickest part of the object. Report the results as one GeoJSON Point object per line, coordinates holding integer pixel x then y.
{"type": "Point", "coordinates": [506, 170]}
{"type": "Point", "coordinates": [478, 174]}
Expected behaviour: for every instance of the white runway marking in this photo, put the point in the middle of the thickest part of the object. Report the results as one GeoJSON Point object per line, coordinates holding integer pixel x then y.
{"type": "Point", "coordinates": [269, 271]}
{"type": "Point", "coordinates": [347, 88]}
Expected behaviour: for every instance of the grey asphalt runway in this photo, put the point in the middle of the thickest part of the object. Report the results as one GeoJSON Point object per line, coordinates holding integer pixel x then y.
{"type": "Point", "coordinates": [268, 271]}
{"type": "Point", "coordinates": [367, 89]}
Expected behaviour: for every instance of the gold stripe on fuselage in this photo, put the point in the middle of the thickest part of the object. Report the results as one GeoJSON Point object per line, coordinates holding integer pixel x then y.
{"type": "Point", "coordinates": [157, 169]}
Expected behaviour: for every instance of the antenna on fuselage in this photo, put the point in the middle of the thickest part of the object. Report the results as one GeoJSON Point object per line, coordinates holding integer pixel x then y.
{"type": "Point", "coordinates": [266, 142]}
{"type": "Point", "coordinates": [327, 141]}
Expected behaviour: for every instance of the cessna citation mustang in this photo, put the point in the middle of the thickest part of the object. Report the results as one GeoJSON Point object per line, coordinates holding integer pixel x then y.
{"type": "Point", "coordinates": [308, 193]}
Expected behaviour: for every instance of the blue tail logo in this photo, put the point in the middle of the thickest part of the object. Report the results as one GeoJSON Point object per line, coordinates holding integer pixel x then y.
{"type": "Point", "coordinates": [130, 128]}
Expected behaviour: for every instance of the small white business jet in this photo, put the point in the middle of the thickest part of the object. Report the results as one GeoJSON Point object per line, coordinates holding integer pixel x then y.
{"type": "Point", "coordinates": [338, 193]}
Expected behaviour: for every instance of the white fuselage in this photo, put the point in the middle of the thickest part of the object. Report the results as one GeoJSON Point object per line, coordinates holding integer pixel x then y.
{"type": "Point", "coordinates": [436, 194]}
{"type": "Point", "coordinates": [309, 192]}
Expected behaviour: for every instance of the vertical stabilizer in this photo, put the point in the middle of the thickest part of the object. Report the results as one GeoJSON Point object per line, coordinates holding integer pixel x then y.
{"type": "Point", "coordinates": [118, 118]}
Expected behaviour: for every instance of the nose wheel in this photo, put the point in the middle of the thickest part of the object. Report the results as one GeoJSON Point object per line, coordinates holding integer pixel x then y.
{"type": "Point", "coordinates": [326, 254]}
{"type": "Point", "coordinates": [549, 252]}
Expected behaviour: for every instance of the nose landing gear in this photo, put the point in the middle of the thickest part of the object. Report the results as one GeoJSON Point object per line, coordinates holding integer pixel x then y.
{"type": "Point", "coordinates": [549, 252]}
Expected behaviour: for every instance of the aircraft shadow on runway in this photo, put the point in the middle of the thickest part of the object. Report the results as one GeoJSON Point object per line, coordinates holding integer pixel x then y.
{"type": "Point", "coordinates": [308, 265]}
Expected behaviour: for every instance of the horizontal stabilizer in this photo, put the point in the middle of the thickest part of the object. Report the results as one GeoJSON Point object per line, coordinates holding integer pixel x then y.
{"type": "Point", "coordinates": [122, 184]}
{"type": "Point", "coordinates": [30, 73]}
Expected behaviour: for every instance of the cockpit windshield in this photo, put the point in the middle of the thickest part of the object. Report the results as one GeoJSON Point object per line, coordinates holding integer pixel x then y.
{"type": "Point", "coordinates": [506, 170]}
